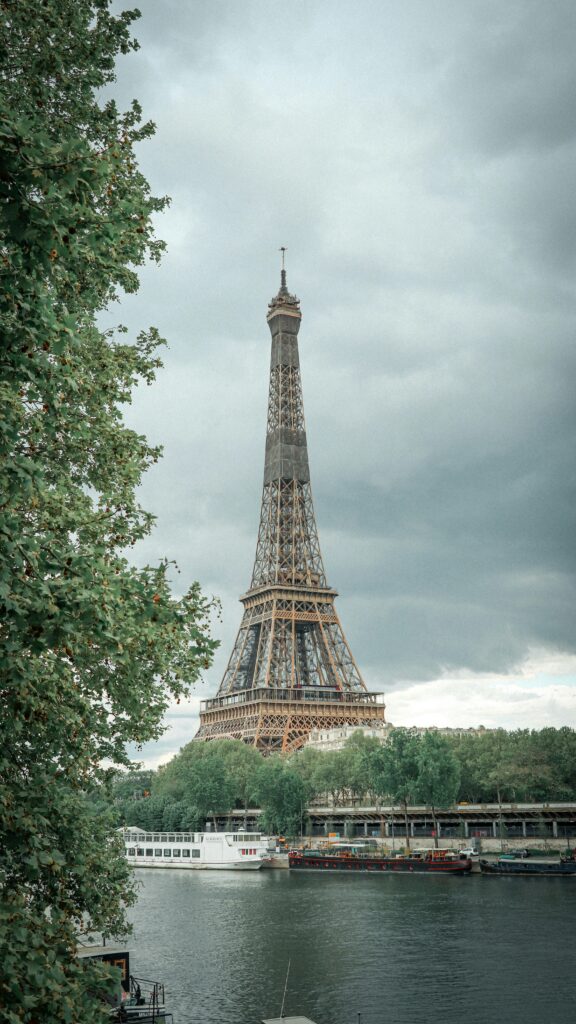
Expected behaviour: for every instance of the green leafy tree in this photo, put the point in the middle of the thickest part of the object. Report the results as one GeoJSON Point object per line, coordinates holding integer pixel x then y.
{"type": "Point", "coordinates": [280, 793]}
{"type": "Point", "coordinates": [557, 748]}
{"type": "Point", "coordinates": [198, 776]}
{"type": "Point", "coordinates": [394, 770]}
{"type": "Point", "coordinates": [306, 763]}
{"type": "Point", "coordinates": [356, 756]}
{"type": "Point", "coordinates": [242, 763]}
{"type": "Point", "coordinates": [332, 776]}
{"type": "Point", "coordinates": [133, 785]}
{"type": "Point", "coordinates": [148, 814]}
{"type": "Point", "coordinates": [191, 818]}
{"type": "Point", "coordinates": [499, 768]}
{"type": "Point", "coordinates": [92, 649]}
{"type": "Point", "coordinates": [468, 750]}
{"type": "Point", "coordinates": [438, 774]}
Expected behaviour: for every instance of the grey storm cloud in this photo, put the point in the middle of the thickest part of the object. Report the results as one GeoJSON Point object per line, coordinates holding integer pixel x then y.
{"type": "Point", "coordinates": [418, 160]}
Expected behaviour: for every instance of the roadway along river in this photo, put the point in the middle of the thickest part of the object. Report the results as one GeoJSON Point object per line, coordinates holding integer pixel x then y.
{"type": "Point", "coordinates": [398, 950]}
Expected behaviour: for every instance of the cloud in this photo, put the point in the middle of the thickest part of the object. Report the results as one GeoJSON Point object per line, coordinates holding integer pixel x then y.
{"type": "Point", "coordinates": [418, 162]}
{"type": "Point", "coordinates": [542, 695]}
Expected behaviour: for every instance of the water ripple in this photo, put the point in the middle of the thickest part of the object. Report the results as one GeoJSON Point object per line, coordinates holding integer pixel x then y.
{"type": "Point", "coordinates": [397, 950]}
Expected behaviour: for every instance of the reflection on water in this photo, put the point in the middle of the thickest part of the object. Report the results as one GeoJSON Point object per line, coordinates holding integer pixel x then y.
{"type": "Point", "coordinates": [409, 949]}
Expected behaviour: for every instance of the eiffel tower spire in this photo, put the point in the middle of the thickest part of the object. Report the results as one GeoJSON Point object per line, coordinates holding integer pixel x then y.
{"type": "Point", "coordinates": [291, 669]}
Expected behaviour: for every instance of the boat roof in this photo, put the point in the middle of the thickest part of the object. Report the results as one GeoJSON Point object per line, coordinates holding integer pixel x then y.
{"type": "Point", "coordinates": [345, 846]}
{"type": "Point", "coordinates": [190, 831]}
{"type": "Point", "coordinates": [86, 952]}
{"type": "Point", "coordinates": [288, 1020]}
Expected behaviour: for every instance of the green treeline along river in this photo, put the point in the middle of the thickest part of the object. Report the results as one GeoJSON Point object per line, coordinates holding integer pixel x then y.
{"type": "Point", "coordinates": [398, 950]}
{"type": "Point", "coordinates": [484, 766]}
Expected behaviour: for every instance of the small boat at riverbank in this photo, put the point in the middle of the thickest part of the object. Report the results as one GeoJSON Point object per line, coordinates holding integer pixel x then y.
{"type": "Point", "coordinates": [564, 868]}
{"type": "Point", "coordinates": [236, 851]}
{"type": "Point", "coordinates": [132, 1000]}
{"type": "Point", "coordinates": [439, 862]}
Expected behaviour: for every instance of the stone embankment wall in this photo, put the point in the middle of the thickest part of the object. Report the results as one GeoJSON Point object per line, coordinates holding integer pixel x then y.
{"type": "Point", "coordinates": [484, 845]}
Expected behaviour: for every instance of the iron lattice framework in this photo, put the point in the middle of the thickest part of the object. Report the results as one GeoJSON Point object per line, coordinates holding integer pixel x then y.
{"type": "Point", "coordinates": [291, 669]}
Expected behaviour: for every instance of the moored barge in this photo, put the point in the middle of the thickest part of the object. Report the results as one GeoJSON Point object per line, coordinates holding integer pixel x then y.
{"type": "Point", "coordinates": [565, 867]}
{"type": "Point", "coordinates": [439, 862]}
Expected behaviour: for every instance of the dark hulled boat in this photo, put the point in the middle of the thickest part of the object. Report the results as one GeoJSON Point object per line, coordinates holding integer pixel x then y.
{"type": "Point", "coordinates": [439, 862]}
{"type": "Point", "coordinates": [133, 1000]}
{"type": "Point", "coordinates": [564, 867]}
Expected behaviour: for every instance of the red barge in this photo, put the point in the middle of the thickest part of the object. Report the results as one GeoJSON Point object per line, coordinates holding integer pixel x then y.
{"type": "Point", "coordinates": [438, 862]}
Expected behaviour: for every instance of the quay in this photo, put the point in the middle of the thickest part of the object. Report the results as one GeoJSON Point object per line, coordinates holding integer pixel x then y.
{"type": "Point", "coordinates": [552, 825]}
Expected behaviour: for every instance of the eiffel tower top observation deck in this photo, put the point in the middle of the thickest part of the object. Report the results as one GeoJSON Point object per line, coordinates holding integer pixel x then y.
{"type": "Point", "coordinates": [291, 669]}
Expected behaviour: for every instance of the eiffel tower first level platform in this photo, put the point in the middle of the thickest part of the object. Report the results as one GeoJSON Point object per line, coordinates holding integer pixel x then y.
{"type": "Point", "coordinates": [291, 669]}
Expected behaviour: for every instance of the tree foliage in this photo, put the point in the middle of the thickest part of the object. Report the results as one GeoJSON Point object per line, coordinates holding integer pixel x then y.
{"type": "Point", "coordinates": [199, 778]}
{"type": "Point", "coordinates": [394, 769]}
{"type": "Point", "coordinates": [521, 765]}
{"type": "Point", "coordinates": [92, 648]}
{"type": "Point", "coordinates": [280, 792]}
{"type": "Point", "coordinates": [438, 774]}
{"type": "Point", "coordinates": [491, 765]}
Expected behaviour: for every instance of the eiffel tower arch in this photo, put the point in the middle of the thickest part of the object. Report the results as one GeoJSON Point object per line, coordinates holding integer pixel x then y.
{"type": "Point", "coordinates": [291, 669]}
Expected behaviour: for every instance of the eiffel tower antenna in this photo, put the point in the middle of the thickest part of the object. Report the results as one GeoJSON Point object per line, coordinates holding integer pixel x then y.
{"type": "Point", "coordinates": [283, 288]}
{"type": "Point", "coordinates": [291, 669]}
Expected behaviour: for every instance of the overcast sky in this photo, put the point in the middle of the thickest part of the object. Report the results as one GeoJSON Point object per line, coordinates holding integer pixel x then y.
{"type": "Point", "coordinates": [417, 158]}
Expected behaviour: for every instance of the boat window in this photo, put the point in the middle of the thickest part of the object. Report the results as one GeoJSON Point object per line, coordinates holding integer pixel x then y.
{"type": "Point", "coordinates": [157, 853]}
{"type": "Point", "coordinates": [167, 853]}
{"type": "Point", "coordinates": [156, 839]}
{"type": "Point", "coordinates": [195, 853]}
{"type": "Point", "coordinates": [176, 853]}
{"type": "Point", "coordinates": [131, 851]}
{"type": "Point", "coordinates": [185, 853]}
{"type": "Point", "coordinates": [170, 839]}
{"type": "Point", "coordinates": [139, 853]}
{"type": "Point", "coordinates": [178, 839]}
{"type": "Point", "coordinates": [149, 852]}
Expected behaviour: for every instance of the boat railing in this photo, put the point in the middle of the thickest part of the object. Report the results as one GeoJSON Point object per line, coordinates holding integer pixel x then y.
{"type": "Point", "coordinates": [146, 994]}
{"type": "Point", "coordinates": [142, 1015]}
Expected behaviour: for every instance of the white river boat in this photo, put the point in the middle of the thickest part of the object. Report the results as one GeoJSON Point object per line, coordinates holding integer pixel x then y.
{"type": "Point", "coordinates": [236, 851]}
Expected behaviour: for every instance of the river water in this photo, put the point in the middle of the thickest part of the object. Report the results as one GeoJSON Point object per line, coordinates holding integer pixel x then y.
{"type": "Point", "coordinates": [404, 949]}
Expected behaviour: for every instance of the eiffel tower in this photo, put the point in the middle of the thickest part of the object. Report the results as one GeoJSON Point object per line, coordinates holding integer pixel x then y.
{"type": "Point", "coordinates": [291, 669]}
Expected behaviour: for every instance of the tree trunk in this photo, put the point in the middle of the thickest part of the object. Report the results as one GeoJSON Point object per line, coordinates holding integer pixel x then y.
{"type": "Point", "coordinates": [435, 827]}
{"type": "Point", "coordinates": [405, 805]}
{"type": "Point", "coordinates": [498, 794]}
